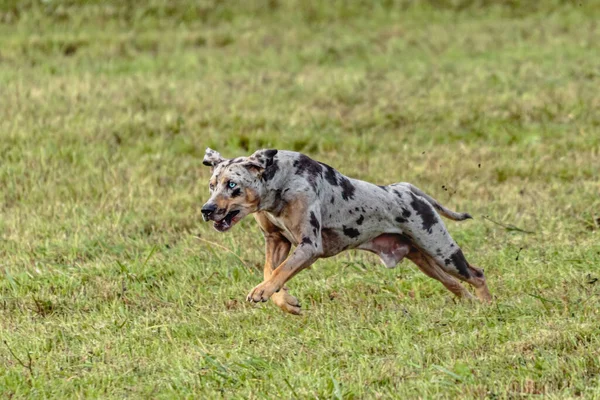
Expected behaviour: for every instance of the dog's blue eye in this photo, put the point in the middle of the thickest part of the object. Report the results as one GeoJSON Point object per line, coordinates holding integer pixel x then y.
{"type": "Point", "coordinates": [231, 185]}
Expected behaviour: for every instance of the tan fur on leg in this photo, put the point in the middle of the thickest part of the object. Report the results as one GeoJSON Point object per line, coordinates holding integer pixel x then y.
{"type": "Point", "coordinates": [431, 269]}
{"type": "Point", "coordinates": [277, 249]}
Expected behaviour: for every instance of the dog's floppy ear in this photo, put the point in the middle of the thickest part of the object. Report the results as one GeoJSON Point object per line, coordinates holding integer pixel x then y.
{"type": "Point", "coordinates": [212, 158]}
{"type": "Point", "coordinates": [261, 159]}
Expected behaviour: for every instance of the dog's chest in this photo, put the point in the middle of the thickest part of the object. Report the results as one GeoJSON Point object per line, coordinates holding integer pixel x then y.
{"type": "Point", "coordinates": [280, 223]}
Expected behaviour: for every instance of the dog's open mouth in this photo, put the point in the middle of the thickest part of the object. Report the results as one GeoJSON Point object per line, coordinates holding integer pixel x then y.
{"type": "Point", "coordinates": [227, 221]}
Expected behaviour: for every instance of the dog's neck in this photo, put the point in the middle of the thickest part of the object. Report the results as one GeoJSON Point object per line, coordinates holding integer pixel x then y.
{"type": "Point", "coordinates": [273, 198]}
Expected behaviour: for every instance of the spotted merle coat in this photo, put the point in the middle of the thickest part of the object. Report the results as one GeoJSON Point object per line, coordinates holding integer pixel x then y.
{"type": "Point", "coordinates": [300, 202]}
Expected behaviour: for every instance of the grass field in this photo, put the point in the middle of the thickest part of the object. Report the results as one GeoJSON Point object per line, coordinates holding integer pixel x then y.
{"type": "Point", "coordinates": [111, 285]}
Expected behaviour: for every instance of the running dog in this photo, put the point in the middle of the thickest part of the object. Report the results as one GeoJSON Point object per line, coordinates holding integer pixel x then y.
{"type": "Point", "coordinates": [300, 202]}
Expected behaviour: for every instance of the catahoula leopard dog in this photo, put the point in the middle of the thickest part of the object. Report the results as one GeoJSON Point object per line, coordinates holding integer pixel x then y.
{"type": "Point", "coordinates": [300, 202]}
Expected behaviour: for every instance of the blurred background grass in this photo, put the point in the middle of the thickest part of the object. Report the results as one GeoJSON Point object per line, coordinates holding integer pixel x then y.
{"type": "Point", "coordinates": [106, 109]}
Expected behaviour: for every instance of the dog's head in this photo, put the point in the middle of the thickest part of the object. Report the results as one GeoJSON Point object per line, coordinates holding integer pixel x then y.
{"type": "Point", "coordinates": [236, 186]}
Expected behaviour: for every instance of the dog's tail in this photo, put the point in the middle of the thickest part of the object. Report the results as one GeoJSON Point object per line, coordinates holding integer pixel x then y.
{"type": "Point", "coordinates": [442, 210]}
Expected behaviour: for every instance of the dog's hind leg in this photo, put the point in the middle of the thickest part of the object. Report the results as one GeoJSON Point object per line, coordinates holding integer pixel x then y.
{"type": "Point", "coordinates": [392, 248]}
{"type": "Point", "coordinates": [427, 232]}
{"type": "Point", "coordinates": [430, 268]}
{"type": "Point", "coordinates": [456, 265]}
{"type": "Point", "coordinates": [477, 279]}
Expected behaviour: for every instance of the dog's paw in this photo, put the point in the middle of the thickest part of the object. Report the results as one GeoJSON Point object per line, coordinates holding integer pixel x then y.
{"type": "Point", "coordinates": [262, 292]}
{"type": "Point", "coordinates": [287, 302]}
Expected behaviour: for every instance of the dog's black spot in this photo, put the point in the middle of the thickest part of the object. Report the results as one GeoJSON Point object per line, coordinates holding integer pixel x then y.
{"type": "Point", "coordinates": [382, 187]}
{"type": "Point", "coordinates": [347, 188]}
{"type": "Point", "coordinates": [401, 220]}
{"type": "Point", "coordinates": [452, 245]}
{"type": "Point", "coordinates": [306, 240]}
{"type": "Point", "coordinates": [360, 220]}
{"type": "Point", "coordinates": [270, 170]}
{"type": "Point", "coordinates": [269, 154]}
{"type": "Point", "coordinates": [355, 208]}
{"type": "Point", "coordinates": [425, 211]}
{"type": "Point", "coordinates": [236, 192]}
{"type": "Point", "coordinates": [362, 209]}
{"type": "Point", "coordinates": [438, 252]}
{"type": "Point", "coordinates": [405, 213]}
{"type": "Point", "coordinates": [397, 193]}
{"type": "Point", "coordinates": [314, 222]}
{"type": "Point", "coordinates": [307, 166]}
{"type": "Point", "coordinates": [350, 232]}
{"type": "Point", "coordinates": [332, 199]}
{"type": "Point", "coordinates": [350, 211]}
{"type": "Point", "coordinates": [459, 261]}
{"type": "Point", "coordinates": [330, 174]}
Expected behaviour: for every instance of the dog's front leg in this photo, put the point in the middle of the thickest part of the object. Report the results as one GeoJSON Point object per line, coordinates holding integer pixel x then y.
{"type": "Point", "coordinates": [302, 257]}
{"type": "Point", "coordinates": [277, 249]}
{"type": "Point", "coordinates": [305, 224]}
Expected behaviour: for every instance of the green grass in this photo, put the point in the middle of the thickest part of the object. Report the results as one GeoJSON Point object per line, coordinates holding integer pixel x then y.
{"type": "Point", "coordinates": [111, 286]}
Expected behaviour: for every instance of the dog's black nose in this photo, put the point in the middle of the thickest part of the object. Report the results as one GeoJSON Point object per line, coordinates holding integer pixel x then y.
{"type": "Point", "coordinates": [207, 210]}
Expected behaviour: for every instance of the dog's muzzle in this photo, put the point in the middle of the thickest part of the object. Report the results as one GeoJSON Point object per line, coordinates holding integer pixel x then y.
{"type": "Point", "coordinates": [208, 210]}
